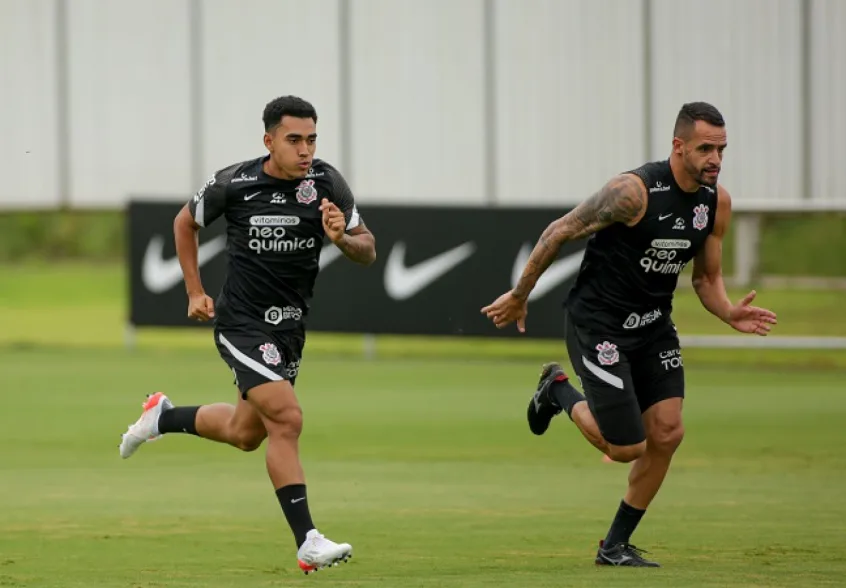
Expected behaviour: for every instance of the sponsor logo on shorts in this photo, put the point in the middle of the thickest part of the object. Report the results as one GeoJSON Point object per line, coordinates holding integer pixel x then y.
{"type": "Point", "coordinates": [636, 321]}
{"type": "Point", "coordinates": [270, 354]}
{"type": "Point", "coordinates": [275, 315]}
{"type": "Point", "coordinates": [292, 369]}
{"type": "Point", "coordinates": [608, 354]}
{"type": "Point", "coordinates": [671, 359]}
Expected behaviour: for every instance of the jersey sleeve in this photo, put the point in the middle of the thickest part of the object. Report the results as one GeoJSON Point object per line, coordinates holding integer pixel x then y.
{"type": "Point", "coordinates": [209, 202]}
{"type": "Point", "coordinates": [343, 198]}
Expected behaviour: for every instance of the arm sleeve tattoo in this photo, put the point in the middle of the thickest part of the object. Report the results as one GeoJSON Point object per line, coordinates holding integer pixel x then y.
{"type": "Point", "coordinates": [621, 200]}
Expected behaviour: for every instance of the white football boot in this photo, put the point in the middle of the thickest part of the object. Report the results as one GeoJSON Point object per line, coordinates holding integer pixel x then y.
{"type": "Point", "coordinates": [319, 552]}
{"type": "Point", "coordinates": [145, 428]}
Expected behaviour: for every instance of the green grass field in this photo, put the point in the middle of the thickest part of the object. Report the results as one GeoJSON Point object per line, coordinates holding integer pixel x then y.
{"type": "Point", "coordinates": [420, 458]}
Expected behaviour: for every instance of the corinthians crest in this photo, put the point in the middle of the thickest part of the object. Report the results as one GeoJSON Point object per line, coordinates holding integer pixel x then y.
{"type": "Point", "coordinates": [608, 354]}
{"type": "Point", "coordinates": [270, 354]}
{"type": "Point", "coordinates": [700, 217]}
{"type": "Point", "coordinates": [306, 192]}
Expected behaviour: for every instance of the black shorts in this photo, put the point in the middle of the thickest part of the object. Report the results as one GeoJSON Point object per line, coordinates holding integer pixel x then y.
{"type": "Point", "coordinates": [622, 375]}
{"type": "Point", "coordinates": [257, 356]}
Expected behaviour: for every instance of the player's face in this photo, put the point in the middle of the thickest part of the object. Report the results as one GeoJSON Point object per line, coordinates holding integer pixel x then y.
{"type": "Point", "coordinates": [292, 144]}
{"type": "Point", "coordinates": [702, 152]}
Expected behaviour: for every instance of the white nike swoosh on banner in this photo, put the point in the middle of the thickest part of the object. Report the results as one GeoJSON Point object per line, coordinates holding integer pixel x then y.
{"type": "Point", "coordinates": [555, 274]}
{"type": "Point", "coordinates": [403, 282]}
{"type": "Point", "coordinates": [160, 275]}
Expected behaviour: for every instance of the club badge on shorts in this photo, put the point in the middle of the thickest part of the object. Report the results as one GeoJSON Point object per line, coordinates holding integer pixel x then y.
{"type": "Point", "coordinates": [270, 354]}
{"type": "Point", "coordinates": [306, 192]}
{"type": "Point", "coordinates": [608, 354]}
{"type": "Point", "coordinates": [700, 217]}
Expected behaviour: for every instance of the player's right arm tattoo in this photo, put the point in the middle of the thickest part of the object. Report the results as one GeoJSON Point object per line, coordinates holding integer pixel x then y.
{"type": "Point", "coordinates": [620, 201]}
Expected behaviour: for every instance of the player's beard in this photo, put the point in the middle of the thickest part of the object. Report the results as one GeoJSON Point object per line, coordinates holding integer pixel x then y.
{"type": "Point", "coordinates": [699, 175]}
{"type": "Point", "coordinates": [708, 180]}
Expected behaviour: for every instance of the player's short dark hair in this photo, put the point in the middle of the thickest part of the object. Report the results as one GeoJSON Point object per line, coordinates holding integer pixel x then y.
{"type": "Point", "coordinates": [286, 106]}
{"type": "Point", "coordinates": [694, 111]}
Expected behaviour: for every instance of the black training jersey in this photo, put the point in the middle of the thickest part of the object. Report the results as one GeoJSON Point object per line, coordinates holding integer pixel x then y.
{"type": "Point", "coordinates": [629, 274]}
{"type": "Point", "coordinates": [274, 238]}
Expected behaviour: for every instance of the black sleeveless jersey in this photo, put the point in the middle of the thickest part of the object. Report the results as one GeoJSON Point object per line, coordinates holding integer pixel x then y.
{"type": "Point", "coordinates": [629, 274]}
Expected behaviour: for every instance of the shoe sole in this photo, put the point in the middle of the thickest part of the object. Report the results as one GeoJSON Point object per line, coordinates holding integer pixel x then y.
{"type": "Point", "coordinates": [602, 562]}
{"type": "Point", "coordinates": [309, 569]}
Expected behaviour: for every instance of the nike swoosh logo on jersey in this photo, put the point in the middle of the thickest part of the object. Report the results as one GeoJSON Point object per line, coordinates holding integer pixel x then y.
{"type": "Point", "coordinates": [401, 282]}
{"type": "Point", "coordinates": [160, 275]}
{"type": "Point", "coordinates": [663, 216]}
{"type": "Point", "coordinates": [556, 274]}
{"type": "Point", "coordinates": [251, 196]}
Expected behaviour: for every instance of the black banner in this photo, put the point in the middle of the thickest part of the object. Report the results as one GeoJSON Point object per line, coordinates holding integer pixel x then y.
{"type": "Point", "coordinates": [436, 268]}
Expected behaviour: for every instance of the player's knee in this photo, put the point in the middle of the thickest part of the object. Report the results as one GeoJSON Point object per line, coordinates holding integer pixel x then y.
{"type": "Point", "coordinates": [288, 421]}
{"type": "Point", "coordinates": [626, 453]}
{"type": "Point", "coordinates": [666, 436]}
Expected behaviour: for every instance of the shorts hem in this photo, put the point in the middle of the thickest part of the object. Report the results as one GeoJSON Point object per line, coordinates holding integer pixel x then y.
{"type": "Point", "coordinates": [655, 400]}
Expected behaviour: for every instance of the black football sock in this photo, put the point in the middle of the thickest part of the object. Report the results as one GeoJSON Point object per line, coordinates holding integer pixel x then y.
{"type": "Point", "coordinates": [565, 395]}
{"type": "Point", "coordinates": [180, 419]}
{"type": "Point", "coordinates": [294, 504]}
{"type": "Point", "coordinates": [624, 525]}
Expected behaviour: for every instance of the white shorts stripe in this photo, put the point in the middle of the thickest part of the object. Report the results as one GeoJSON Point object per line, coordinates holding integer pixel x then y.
{"type": "Point", "coordinates": [249, 362]}
{"type": "Point", "coordinates": [603, 375]}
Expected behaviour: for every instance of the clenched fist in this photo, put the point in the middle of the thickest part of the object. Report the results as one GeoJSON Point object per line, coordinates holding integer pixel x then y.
{"type": "Point", "coordinates": [334, 223]}
{"type": "Point", "coordinates": [200, 307]}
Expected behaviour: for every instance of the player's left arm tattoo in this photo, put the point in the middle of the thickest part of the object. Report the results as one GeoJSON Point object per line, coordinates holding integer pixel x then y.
{"type": "Point", "coordinates": [621, 200]}
{"type": "Point", "coordinates": [708, 263]}
{"type": "Point", "coordinates": [359, 245]}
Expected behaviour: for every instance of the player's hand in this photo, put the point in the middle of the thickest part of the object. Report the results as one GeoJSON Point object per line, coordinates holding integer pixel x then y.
{"type": "Point", "coordinates": [200, 307]}
{"type": "Point", "coordinates": [334, 223]}
{"type": "Point", "coordinates": [507, 309]}
{"type": "Point", "coordinates": [751, 319]}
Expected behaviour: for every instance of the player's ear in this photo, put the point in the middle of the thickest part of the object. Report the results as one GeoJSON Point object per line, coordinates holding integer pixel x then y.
{"type": "Point", "coordinates": [678, 145]}
{"type": "Point", "coordinates": [268, 142]}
